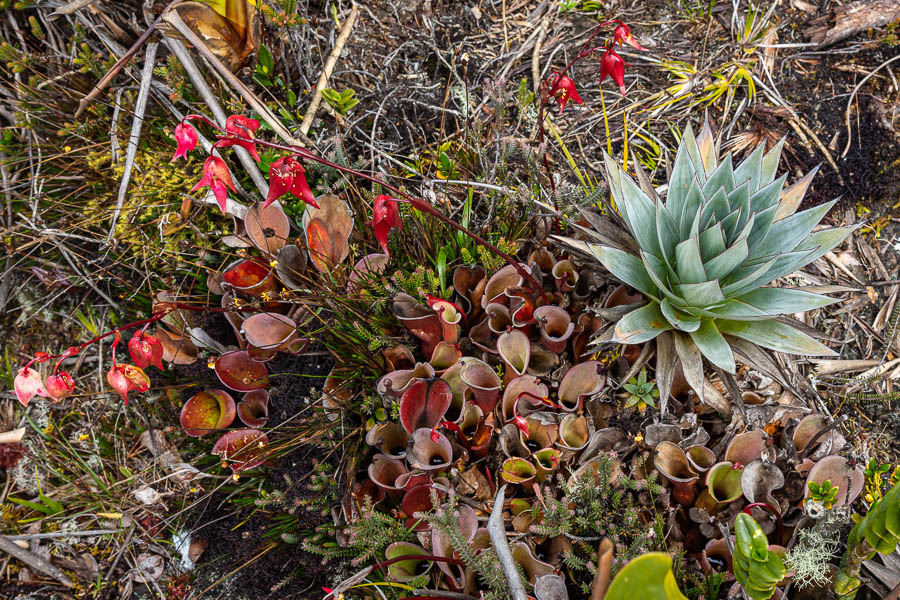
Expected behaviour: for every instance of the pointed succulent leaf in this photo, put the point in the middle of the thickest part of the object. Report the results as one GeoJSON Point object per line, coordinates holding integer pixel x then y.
{"type": "Point", "coordinates": [689, 142]}
{"type": "Point", "coordinates": [787, 233]}
{"type": "Point", "coordinates": [627, 268]}
{"type": "Point", "coordinates": [708, 293]}
{"type": "Point", "coordinates": [719, 266]}
{"type": "Point", "coordinates": [652, 574]}
{"type": "Point", "coordinates": [712, 242]}
{"type": "Point", "coordinates": [723, 176]}
{"type": "Point", "coordinates": [680, 186]}
{"type": "Point", "coordinates": [769, 166]}
{"type": "Point", "coordinates": [641, 212]}
{"type": "Point", "coordinates": [750, 169]}
{"type": "Point", "coordinates": [691, 361]}
{"type": "Point", "coordinates": [792, 197]}
{"type": "Point", "coordinates": [714, 209]}
{"type": "Point", "coordinates": [767, 195]}
{"type": "Point", "coordinates": [739, 199]}
{"type": "Point", "coordinates": [768, 302]}
{"type": "Point", "coordinates": [775, 336]}
{"type": "Point", "coordinates": [688, 262]}
{"type": "Point", "coordinates": [669, 235]}
{"type": "Point", "coordinates": [678, 319]}
{"type": "Point", "coordinates": [641, 325]}
{"type": "Point", "coordinates": [713, 345]}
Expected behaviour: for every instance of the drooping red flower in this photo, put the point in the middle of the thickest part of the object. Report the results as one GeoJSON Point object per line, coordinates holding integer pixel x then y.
{"type": "Point", "coordinates": [521, 424]}
{"type": "Point", "coordinates": [28, 384]}
{"type": "Point", "coordinates": [385, 216]}
{"type": "Point", "coordinates": [59, 386]}
{"type": "Point", "coordinates": [239, 132]}
{"type": "Point", "coordinates": [622, 35]}
{"type": "Point", "coordinates": [563, 89]}
{"type": "Point", "coordinates": [217, 177]}
{"type": "Point", "coordinates": [612, 65]}
{"type": "Point", "coordinates": [127, 378]}
{"type": "Point", "coordinates": [287, 176]}
{"type": "Point", "coordinates": [145, 350]}
{"type": "Point", "coordinates": [186, 138]}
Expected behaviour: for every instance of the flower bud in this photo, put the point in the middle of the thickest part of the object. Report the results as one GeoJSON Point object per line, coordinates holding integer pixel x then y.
{"type": "Point", "coordinates": [60, 386]}
{"type": "Point", "coordinates": [145, 350]}
{"type": "Point", "coordinates": [28, 384]}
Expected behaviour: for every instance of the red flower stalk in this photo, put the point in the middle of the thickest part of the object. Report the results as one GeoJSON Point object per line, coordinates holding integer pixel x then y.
{"type": "Point", "coordinates": [239, 132]}
{"type": "Point", "coordinates": [287, 176]}
{"type": "Point", "coordinates": [385, 216]}
{"type": "Point", "coordinates": [186, 138]}
{"type": "Point", "coordinates": [28, 384]}
{"type": "Point", "coordinates": [622, 35]}
{"type": "Point", "coordinates": [145, 350]}
{"type": "Point", "coordinates": [125, 378]}
{"type": "Point", "coordinates": [217, 177]}
{"type": "Point", "coordinates": [59, 386]}
{"type": "Point", "coordinates": [612, 65]}
{"type": "Point", "coordinates": [563, 89]}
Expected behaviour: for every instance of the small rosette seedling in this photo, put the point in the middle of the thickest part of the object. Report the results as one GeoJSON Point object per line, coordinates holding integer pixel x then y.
{"type": "Point", "coordinates": [641, 393]}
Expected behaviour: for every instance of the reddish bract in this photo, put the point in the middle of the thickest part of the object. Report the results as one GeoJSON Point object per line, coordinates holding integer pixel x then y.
{"type": "Point", "coordinates": [127, 378]}
{"type": "Point", "coordinates": [385, 216]}
{"type": "Point", "coordinates": [563, 89]}
{"type": "Point", "coordinates": [145, 350]}
{"type": "Point", "coordinates": [28, 384]}
{"type": "Point", "coordinates": [186, 138]}
{"type": "Point", "coordinates": [59, 386]}
{"type": "Point", "coordinates": [217, 177]}
{"type": "Point", "coordinates": [612, 65]}
{"type": "Point", "coordinates": [239, 132]}
{"type": "Point", "coordinates": [287, 176]}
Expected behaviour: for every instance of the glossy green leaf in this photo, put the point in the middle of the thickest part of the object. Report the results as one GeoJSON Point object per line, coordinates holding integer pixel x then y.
{"type": "Point", "coordinates": [641, 325]}
{"type": "Point", "coordinates": [775, 336]}
{"type": "Point", "coordinates": [648, 576]}
{"type": "Point", "coordinates": [713, 346]}
{"type": "Point", "coordinates": [628, 268]}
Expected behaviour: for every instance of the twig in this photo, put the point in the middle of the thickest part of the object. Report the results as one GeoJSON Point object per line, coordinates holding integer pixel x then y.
{"type": "Point", "coordinates": [120, 64]}
{"type": "Point", "coordinates": [62, 534]}
{"type": "Point", "coordinates": [136, 125]}
{"type": "Point", "coordinates": [501, 547]}
{"type": "Point", "coordinates": [328, 69]}
{"type": "Point", "coordinates": [71, 7]}
{"type": "Point", "coordinates": [190, 67]}
{"type": "Point", "coordinates": [34, 561]}
{"type": "Point", "coordinates": [536, 56]}
{"type": "Point", "coordinates": [853, 95]}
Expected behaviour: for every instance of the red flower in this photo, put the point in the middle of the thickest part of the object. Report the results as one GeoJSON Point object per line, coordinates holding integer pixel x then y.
{"type": "Point", "coordinates": [287, 176]}
{"type": "Point", "coordinates": [612, 65]}
{"type": "Point", "coordinates": [385, 216]}
{"type": "Point", "coordinates": [521, 424]}
{"type": "Point", "coordinates": [217, 177]}
{"type": "Point", "coordinates": [563, 89]}
{"type": "Point", "coordinates": [60, 386]}
{"type": "Point", "coordinates": [28, 384]}
{"type": "Point", "coordinates": [186, 138]}
{"type": "Point", "coordinates": [145, 350]}
{"type": "Point", "coordinates": [125, 378]}
{"type": "Point", "coordinates": [239, 132]}
{"type": "Point", "coordinates": [622, 35]}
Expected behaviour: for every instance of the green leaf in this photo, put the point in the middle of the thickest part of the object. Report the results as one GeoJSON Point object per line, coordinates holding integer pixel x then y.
{"type": "Point", "coordinates": [266, 60]}
{"type": "Point", "coordinates": [712, 242]}
{"type": "Point", "coordinates": [713, 345]}
{"type": "Point", "coordinates": [682, 186]}
{"type": "Point", "coordinates": [768, 195]}
{"type": "Point", "coordinates": [641, 214]}
{"type": "Point", "coordinates": [679, 320]}
{"type": "Point", "coordinates": [723, 176]}
{"type": "Point", "coordinates": [749, 170]}
{"type": "Point", "coordinates": [668, 233]}
{"type": "Point", "coordinates": [775, 336]}
{"type": "Point", "coordinates": [784, 235]}
{"type": "Point", "coordinates": [726, 262]}
{"type": "Point", "coordinates": [628, 268]}
{"type": "Point", "coordinates": [756, 568]}
{"type": "Point", "coordinates": [768, 302]}
{"type": "Point", "coordinates": [769, 165]}
{"type": "Point", "coordinates": [706, 294]}
{"type": "Point", "coordinates": [688, 262]}
{"type": "Point", "coordinates": [32, 505]}
{"type": "Point", "coordinates": [641, 325]}
{"type": "Point", "coordinates": [650, 573]}
{"type": "Point", "coordinates": [691, 211]}
{"type": "Point", "coordinates": [714, 209]}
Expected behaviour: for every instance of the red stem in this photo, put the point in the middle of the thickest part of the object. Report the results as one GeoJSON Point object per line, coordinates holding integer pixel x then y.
{"type": "Point", "coordinates": [72, 351]}
{"type": "Point", "coordinates": [417, 203]}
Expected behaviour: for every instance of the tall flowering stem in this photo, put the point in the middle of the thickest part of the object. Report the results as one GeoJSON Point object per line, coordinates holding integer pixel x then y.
{"type": "Point", "coordinates": [416, 203]}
